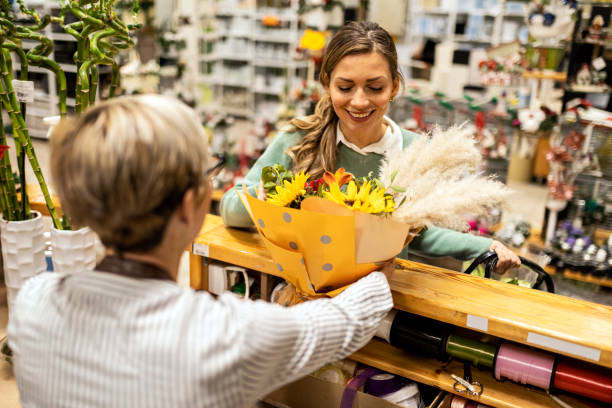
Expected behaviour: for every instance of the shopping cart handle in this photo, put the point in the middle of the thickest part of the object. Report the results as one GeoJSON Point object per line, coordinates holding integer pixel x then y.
{"type": "Point", "coordinates": [489, 259]}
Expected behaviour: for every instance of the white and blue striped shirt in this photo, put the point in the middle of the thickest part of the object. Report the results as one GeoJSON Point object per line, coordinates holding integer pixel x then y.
{"type": "Point", "coordinates": [102, 340]}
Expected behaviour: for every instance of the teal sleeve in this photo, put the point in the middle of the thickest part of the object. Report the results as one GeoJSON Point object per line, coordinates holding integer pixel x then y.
{"type": "Point", "coordinates": [231, 208]}
{"type": "Point", "coordinates": [436, 242]}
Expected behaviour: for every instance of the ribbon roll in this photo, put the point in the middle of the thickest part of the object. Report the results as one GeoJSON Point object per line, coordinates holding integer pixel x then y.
{"type": "Point", "coordinates": [524, 365]}
{"type": "Point", "coordinates": [476, 352]}
{"type": "Point", "coordinates": [420, 335]}
{"type": "Point", "coordinates": [382, 384]}
{"type": "Point", "coordinates": [583, 379]}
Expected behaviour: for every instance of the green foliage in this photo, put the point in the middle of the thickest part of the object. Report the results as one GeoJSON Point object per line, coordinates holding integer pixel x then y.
{"type": "Point", "coordinates": [273, 176]}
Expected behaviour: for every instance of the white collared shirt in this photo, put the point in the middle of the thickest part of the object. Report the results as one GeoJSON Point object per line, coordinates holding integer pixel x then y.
{"type": "Point", "coordinates": [391, 140]}
{"type": "Point", "coordinates": [96, 339]}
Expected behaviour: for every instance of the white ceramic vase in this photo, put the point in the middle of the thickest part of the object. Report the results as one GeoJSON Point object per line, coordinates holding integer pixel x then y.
{"type": "Point", "coordinates": [23, 252]}
{"type": "Point", "coordinates": [73, 250]}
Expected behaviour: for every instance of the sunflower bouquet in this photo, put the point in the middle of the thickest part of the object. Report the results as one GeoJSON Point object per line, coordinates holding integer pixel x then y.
{"type": "Point", "coordinates": [366, 194]}
{"type": "Point", "coordinates": [325, 233]}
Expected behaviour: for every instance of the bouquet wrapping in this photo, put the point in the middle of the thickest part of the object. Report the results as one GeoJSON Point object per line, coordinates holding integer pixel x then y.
{"type": "Point", "coordinates": [323, 247]}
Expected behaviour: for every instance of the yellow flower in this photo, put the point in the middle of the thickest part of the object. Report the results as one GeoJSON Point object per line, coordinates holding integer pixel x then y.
{"type": "Point", "coordinates": [361, 198]}
{"type": "Point", "coordinates": [289, 191]}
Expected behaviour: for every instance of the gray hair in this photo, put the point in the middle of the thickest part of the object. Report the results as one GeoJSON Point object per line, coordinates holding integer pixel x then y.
{"type": "Point", "coordinates": [123, 167]}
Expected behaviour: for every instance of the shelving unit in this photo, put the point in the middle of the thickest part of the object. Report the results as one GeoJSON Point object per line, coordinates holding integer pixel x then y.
{"type": "Point", "coordinates": [585, 50]}
{"type": "Point", "coordinates": [45, 87]}
{"type": "Point", "coordinates": [449, 13]}
{"type": "Point", "coordinates": [242, 63]}
{"type": "Point", "coordinates": [563, 325]}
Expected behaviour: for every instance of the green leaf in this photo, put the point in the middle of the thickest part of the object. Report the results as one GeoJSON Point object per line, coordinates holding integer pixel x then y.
{"type": "Point", "coordinates": [393, 175]}
{"type": "Point", "coordinates": [398, 189]}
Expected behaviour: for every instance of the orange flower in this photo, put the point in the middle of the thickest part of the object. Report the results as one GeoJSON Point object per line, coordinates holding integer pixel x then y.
{"type": "Point", "coordinates": [341, 177]}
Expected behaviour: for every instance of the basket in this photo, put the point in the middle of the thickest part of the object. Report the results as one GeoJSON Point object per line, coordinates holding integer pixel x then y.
{"type": "Point", "coordinates": [528, 272]}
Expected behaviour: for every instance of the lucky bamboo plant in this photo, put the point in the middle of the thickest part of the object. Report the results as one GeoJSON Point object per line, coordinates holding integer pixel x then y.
{"type": "Point", "coordinates": [100, 34]}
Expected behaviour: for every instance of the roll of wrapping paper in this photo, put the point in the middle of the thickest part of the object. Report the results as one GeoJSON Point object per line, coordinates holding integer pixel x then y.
{"type": "Point", "coordinates": [418, 334]}
{"type": "Point", "coordinates": [460, 402]}
{"type": "Point", "coordinates": [476, 352]}
{"type": "Point", "coordinates": [524, 365]}
{"type": "Point", "coordinates": [583, 379]}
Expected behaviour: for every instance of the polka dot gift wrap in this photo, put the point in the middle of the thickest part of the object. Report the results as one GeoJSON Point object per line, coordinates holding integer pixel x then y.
{"type": "Point", "coordinates": [323, 247]}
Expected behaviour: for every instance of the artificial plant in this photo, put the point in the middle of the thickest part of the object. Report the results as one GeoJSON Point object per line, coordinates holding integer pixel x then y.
{"type": "Point", "coordinates": [100, 34]}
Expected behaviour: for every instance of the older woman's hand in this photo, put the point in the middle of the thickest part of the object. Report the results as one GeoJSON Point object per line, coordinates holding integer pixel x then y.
{"type": "Point", "coordinates": [506, 258]}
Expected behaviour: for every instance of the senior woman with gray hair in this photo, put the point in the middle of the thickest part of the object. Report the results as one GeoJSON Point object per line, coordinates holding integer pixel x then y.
{"type": "Point", "coordinates": [134, 169]}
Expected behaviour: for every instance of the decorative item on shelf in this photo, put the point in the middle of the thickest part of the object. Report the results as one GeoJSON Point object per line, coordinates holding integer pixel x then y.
{"type": "Point", "coordinates": [376, 217]}
{"type": "Point", "coordinates": [597, 31]}
{"type": "Point", "coordinates": [550, 21]}
{"type": "Point", "coordinates": [567, 159]}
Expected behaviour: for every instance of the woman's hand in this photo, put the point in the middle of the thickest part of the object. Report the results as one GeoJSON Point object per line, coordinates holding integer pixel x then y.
{"type": "Point", "coordinates": [387, 268]}
{"type": "Point", "coordinates": [506, 258]}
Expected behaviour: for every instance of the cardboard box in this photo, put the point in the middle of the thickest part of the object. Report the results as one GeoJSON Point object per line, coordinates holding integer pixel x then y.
{"type": "Point", "coordinates": [311, 392]}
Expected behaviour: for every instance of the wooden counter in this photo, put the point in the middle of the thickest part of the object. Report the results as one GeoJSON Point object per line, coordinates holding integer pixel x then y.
{"type": "Point", "coordinates": [564, 325]}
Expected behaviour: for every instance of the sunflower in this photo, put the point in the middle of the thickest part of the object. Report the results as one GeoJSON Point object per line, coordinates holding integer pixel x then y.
{"type": "Point", "coordinates": [289, 191]}
{"type": "Point", "coordinates": [361, 197]}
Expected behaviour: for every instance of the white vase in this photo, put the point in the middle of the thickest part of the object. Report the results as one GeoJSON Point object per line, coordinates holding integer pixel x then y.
{"type": "Point", "coordinates": [23, 252]}
{"type": "Point", "coordinates": [73, 250]}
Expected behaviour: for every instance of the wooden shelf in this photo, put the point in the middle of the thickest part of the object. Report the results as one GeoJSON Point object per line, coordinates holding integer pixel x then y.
{"type": "Point", "coordinates": [556, 76]}
{"type": "Point", "coordinates": [587, 278]}
{"type": "Point", "coordinates": [501, 394]}
{"type": "Point", "coordinates": [560, 324]}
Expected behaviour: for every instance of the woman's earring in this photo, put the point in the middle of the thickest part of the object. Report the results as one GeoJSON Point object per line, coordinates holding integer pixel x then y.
{"type": "Point", "coordinates": [391, 100]}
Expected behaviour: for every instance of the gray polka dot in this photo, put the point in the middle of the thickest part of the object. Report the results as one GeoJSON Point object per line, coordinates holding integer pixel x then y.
{"type": "Point", "coordinates": [293, 245]}
{"type": "Point", "coordinates": [326, 239]}
{"type": "Point", "coordinates": [280, 267]}
{"type": "Point", "coordinates": [310, 286]}
{"type": "Point", "coordinates": [302, 261]}
{"type": "Point", "coordinates": [328, 267]}
{"type": "Point", "coordinates": [261, 223]}
{"type": "Point", "coordinates": [286, 217]}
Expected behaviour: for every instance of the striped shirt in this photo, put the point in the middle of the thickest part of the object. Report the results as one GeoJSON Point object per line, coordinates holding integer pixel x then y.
{"type": "Point", "coordinates": [104, 340]}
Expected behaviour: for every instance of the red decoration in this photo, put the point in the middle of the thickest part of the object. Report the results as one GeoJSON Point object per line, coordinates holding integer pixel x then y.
{"type": "Point", "coordinates": [3, 149]}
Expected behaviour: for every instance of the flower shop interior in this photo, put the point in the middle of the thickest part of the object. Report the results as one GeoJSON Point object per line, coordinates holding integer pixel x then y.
{"type": "Point", "coordinates": [528, 82]}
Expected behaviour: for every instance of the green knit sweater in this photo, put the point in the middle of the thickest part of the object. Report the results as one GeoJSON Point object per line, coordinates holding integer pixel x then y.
{"type": "Point", "coordinates": [432, 242]}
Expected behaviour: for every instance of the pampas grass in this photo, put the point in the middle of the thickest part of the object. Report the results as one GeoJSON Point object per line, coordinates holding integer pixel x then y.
{"type": "Point", "coordinates": [438, 181]}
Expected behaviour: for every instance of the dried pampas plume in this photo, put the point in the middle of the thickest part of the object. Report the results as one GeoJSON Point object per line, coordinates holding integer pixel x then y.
{"type": "Point", "coordinates": [438, 181]}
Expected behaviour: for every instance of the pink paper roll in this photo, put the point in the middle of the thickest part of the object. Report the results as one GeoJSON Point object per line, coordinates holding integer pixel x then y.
{"type": "Point", "coordinates": [458, 402]}
{"type": "Point", "coordinates": [524, 365]}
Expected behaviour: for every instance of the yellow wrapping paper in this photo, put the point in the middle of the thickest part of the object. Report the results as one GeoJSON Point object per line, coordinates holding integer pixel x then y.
{"type": "Point", "coordinates": [324, 247]}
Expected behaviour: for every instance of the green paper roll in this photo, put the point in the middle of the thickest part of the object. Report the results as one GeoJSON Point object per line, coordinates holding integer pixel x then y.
{"type": "Point", "coordinates": [479, 354]}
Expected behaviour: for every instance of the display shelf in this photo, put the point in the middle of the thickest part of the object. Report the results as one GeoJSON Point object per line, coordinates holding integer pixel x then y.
{"type": "Point", "coordinates": [560, 324]}
{"type": "Point", "coordinates": [587, 278]}
{"type": "Point", "coordinates": [256, 38]}
{"type": "Point", "coordinates": [556, 76]}
{"type": "Point", "coordinates": [588, 89]}
{"type": "Point", "coordinates": [501, 394]}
